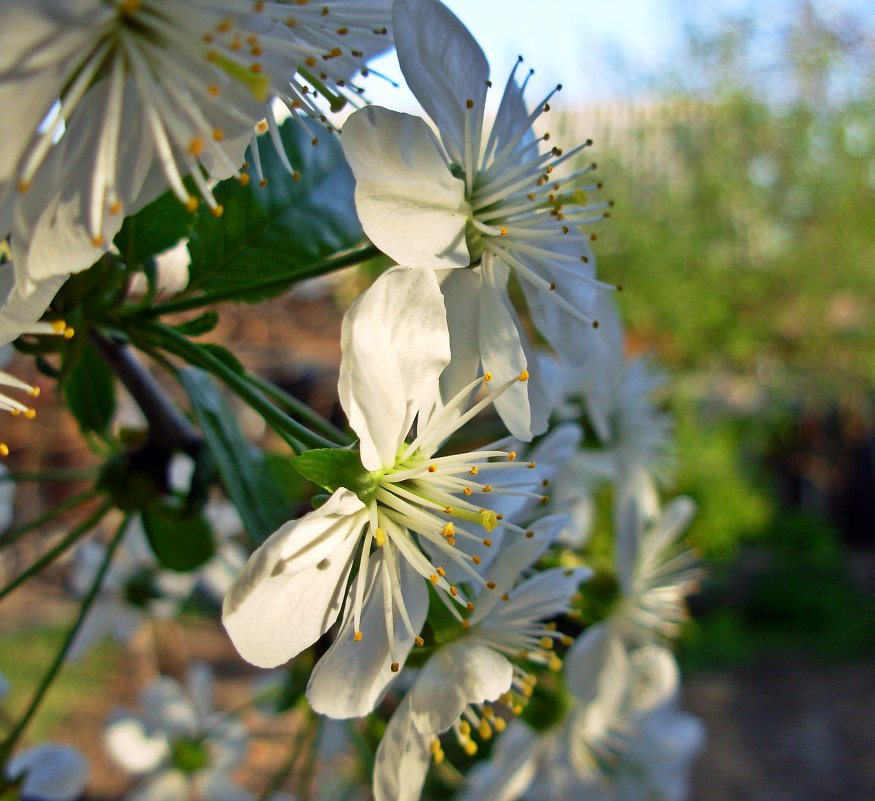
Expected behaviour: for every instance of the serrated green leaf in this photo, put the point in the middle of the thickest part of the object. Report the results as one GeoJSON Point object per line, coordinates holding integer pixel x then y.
{"type": "Point", "coordinates": [281, 228]}
{"type": "Point", "coordinates": [90, 392]}
{"type": "Point", "coordinates": [180, 540]}
{"type": "Point", "coordinates": [243, 467]}
{"type": "Point", "coordinates": [202, 324]}
{"type": "Point", "coordinates": [154, 229]}
{"type": "Point", "coordinates": [332, 468]}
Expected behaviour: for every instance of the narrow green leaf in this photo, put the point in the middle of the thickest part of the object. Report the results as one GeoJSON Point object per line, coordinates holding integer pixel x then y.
{"type": "Point", "coordinates": [90, 392]}
{"type": "Point", "coordinates": [180, 540]}
{"type": "Point", "coordinates": [331, 468]}
{"type": "Point", "coordinates": [202, 324]}
{"type": "Point", "coordinates": [225, 356]}
{"type": "Point", "coordinates": [243, 467]}
{"type": "Point", "coordinates": [279, 228]}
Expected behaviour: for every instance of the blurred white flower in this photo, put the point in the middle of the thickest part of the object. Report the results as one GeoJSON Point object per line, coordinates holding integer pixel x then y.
{"type": "Point", "coordinates": [458, 685]}
{"type": "Point", "coordinates": [180, 748]}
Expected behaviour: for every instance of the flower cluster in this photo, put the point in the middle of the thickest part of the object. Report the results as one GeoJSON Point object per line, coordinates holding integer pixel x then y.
{"type": "Point", "coordinates": [443, 577]}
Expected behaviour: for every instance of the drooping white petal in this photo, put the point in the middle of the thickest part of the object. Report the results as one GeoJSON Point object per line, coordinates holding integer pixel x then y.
{"type": "Point", "coordinates": [656, 679]}
{"type": "Point", "coordinates": [350, 679]}
{"type": "Point", "coordinates": [395, 344]}
{"type": "Point", "coordinates": [402, 758]}
{"type": "Point", "coordinates": [462, 673]}
{"type": "Point", "coordinates": [18, 311]}
{"type": "Point", "coordinates": [55, 772]}
{"type": "Point", "coordinates": [409, 203]}
{"type": "Point", "coordinates": [524, 408]}
{"type": "Point", "coordinates": [133, 747]}
{"type": "Point", "coordinates": [461, 291]}
{"type": "Point", "coordinates": [290, 591]}
{"type": "Point", "coordinates": [443, 66]}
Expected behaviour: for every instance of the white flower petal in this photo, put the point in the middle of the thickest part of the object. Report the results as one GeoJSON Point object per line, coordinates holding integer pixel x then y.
{"type": "Point", "coordinates": [462, 673]}
{"type": "Point", "coordinates": [350, 679]}
{"type": "Point", "coordinates": [168, 707]}
{"type": "Point", "coordinates": [132, 746]}
{"type": "Point", "coordinates": [508, 772]}
{"type": "Point", "coordinates": [402, 758]}
{"type": "Point", "coordinates": [655, 679]}
{"type": "Point", "coordinates": [54, 772]}
{"type": "Point", "coordinates": [443, 66]}
{"type": "Point", "coordinates": [171, 785]}
{"type": "Point", "coordinates": [461, 291]}
{"type": "Point", "coordinates": [17, 310]}
{"type": "Point", "coordinates": [407, 199]}
{"type": "Point", "coordinates": [290, 591]}
{"type": "Point", "coordinates": [395, 344]}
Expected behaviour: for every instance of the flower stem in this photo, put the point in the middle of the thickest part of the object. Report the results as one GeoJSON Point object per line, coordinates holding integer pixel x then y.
{"type": "Point", "coordinates": [12, 738]}
{"type": "Point", "coordinates": [14, 533]}
{"type": "Point", "coordinates": [53, 553]}
{"type": "Point", "coordinates": [260, 289]}
{"type": "Point", "coordinates": [299, 437]}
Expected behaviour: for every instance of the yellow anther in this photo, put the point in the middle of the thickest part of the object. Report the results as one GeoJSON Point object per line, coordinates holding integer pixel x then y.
{"type": "Point", "coordinates": [15, 412]}
{"type": "Point", "coordinates": [433, 578]}
{"type": "Point", "coordinates": [511, 456]}
{"type": "Point", "coordinates": [252, 39]}
{"type": "Point", "coordinates": [435, 745]}
{"type": "Point", "coordinates": [448, 510]}
{"type": "Point", "coordinates": [467, 490]}
{"type": "Point", "coordinates": [545, 499]}
{"type": "Point", "coordinates": [4, 449]}
{"type": "Point", "coordinates": [469, 606]}
{"type": "Point", "coordinates": [530, 534]}
{"type": "Point", "coordinates": [33, 392]}
{"type": "Point", "coordinates": [526, 691]}
{"type": "Point", "coordinates": [517, 709]}
{"type": "Point", "coordinates": [593, 237]}
{"type": "Point", "coordinates": [503, 231]}
{"type": "Point", "coordinates": [450, 541]}
{"type": "Point", "coordinates": [546, 643]}
{"type": "Point", "coordinates": [566, 640]}
{"type": "Point", "coordinates": [500, 724]}
{"type": "Point", "coordinates": [213, 90]}
{"type": "Point", "coordinates": [465, 728]}
{"type": "Point", "coordinates": [469, 103]}
{"type": "Point", "coordinates": [225, 25]}
{"type": "Point", "coordinates": [419, 641]}
{"type": "Point", "coordinates": [255, 68]}
{"type": "Point", "coordinates": [357, 636]}
{"type": "Point", "coordinates": [30, 413]}
{"type": "Point", "coordinates": [296, 176]}
{"type": "Point", "coordinates": [58, 326]}
{"type": "Point", "coordinates": [310, 61]}
{"type": "Point", "coordinates": [97, 241]}
{"type": "Point", "coordinates": [488, 712]}
{"type": "Point", "coordinates": [474, 470]}
{"type": "Point", "coordinates": [490, 584]}
{"type": "Point", "coordinates": [380, 537]}
{"type": "Point", "coordinates": [531, 196]}
{"type": "Point", "coordinates": [263, 183]}
{"type": "Point", "coordinates": [488, 518]}
{"type": "Point", "coordinates": [432, 468]}
{"type": "Point", "coordinates": [487, 543]}
{"type": "Point", "coordinates": [196, 146]}
{"type": "Point", "coordinates": [449, 529]}
{"type": "Point", "coordinates": [454, 591]}
{"type": "Point", "coordinates": [552, 287]}
{"type": "Point", "coordinates": [395, 667]}
{"type": "Point", "coordinates": [524, 375]}
{"type": "Point", "coordinates": [505, 597]}
{"type": "Point", "coordinates": [244, 179]}
{"type": "Point", "coordinates": [487, 488]}
{"type": "Point", "coordinates": [476, 559]}
{"type": "Point", "coordinates": [439, 757]}
{"type": "Point", "coordinates": [505, 699]}
{"type": "Point", "coordinates": [441, 572]}
{"type": "Point", "coordinates": [23, 186]}
{"type": "Point", "coordinates": [217, 210]}
{"type": "Point", "coordinates": [470, 747]}
{"type": "Point", "coordinates": [487, 376]}
{"type": "Point", "coordinates": [555, 664]}
{"type": "Point", "coordinates": [485, 729]}
{"type": "Point", "coordinates": [192, 203]}
{"type": "Point", "coordinates": [69, 333]}
{"type": "Point", "coordinates": [218, 134]}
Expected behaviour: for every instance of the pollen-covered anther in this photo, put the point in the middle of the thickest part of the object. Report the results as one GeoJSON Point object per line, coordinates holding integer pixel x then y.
{"type": "Point", "coordinates": [4, 449]}
{"type": "Point", "coordinates": [115, 207]}
{"type": "Point", "coordinates": [524, 375]}
{"type": "Point", "coordinates": [546, 643]}
{"type": "Point", "coordinates": [469, 606]}
{"type": "Point", "coordinates": [441, 572]}
{"type": "Point", "coordinates": [380, 537]}
{"type": "Point", "coordinates": [449, 529]}
{"type": "Point", "coordinates": [395, 667]}
{"type": "Point", "coordinates": [466, 623]}
{"type": "Point", "coordinates": [474, 470]}
{"type": "Point", "coordinates": [487, 377]}
{"type": "Point", "coordinates": [433, 578]}
{"type": "Point", "coordinates": [487, 543]}
{"type": "Point", "coordinates": [218, 134]}
{"type": "Point", "coordinates": [419, 641]}
{"type": "Point", "coordinates": [454, 591]}
{"type": "Point", "coordinates": [545, 499]}
{"type": "Point", "coordinates": [476, 559]}
{"type": "Point", "coordinates": [511, 456]}
{"type": "Point", "coordinates": [357, 636]}
{"type": "Point", "coordinates": [555, 664]}
{"type": "Point", "coordinates": [432, 468]}
{"type": "Point", "coordinates": [469, 104]}
{"type": "Point", "coordinates": [503, 231]}
{"type": "Point", "coordinates": [531, 465]}
{"type": "Point", "coordinates": [467, 490]}
{"type": "Point", "coordinates": [484, 729]}
{"type": "Point", "coordinates": [505, 597]}
{"type": "Point", "coordinates": [530, 534]}
{"type": "Point", "coordinates": [30, 413]}
{"type": "Point", "coordinates": [243, 178]}
{"type": "Point", "coordinates": [263, 183]}
{"type": "Point", "coordinates": [34, 392]}
{"type": "Point", "coordinates": [490, 584]}
{"type": "Point", "coordinates": [218, 210]}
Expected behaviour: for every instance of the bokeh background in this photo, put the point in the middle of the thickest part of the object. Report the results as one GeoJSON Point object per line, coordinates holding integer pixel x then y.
{"type": "Point", "coordinates": [737, 140]}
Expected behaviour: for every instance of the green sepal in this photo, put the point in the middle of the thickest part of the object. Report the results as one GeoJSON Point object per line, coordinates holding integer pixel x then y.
{"type": "Point", "coordinates": [332, 468]}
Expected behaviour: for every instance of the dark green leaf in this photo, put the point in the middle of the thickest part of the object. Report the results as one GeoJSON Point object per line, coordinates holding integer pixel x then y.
{"type": "Point", "coordinates": [283, 227]}
{"type": "Point", "coordinates": [90, 391]}
{"type": "Point", "coordinates": [243, 467]}
{"type": "Point", "coordinates": [154, 229]}
{"type": "Point", "coordinates": [202, 324]}
{"type": "Point", "coordinates": [331, 468]}
{"type": "Point", "coordinates": [225, 355]}
{"type": "Point", "coordinates": [180, 540]}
